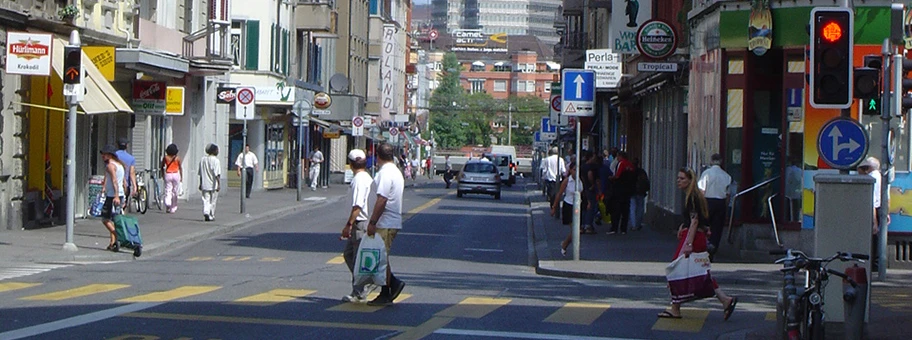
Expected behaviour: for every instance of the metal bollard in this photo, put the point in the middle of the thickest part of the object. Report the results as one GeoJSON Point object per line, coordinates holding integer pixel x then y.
{"type": "Point", "coordinates": [855, 297]}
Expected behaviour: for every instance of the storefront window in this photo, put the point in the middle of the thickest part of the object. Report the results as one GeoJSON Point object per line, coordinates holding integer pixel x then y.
{"type": "Point", "coordinates": [274, 165]}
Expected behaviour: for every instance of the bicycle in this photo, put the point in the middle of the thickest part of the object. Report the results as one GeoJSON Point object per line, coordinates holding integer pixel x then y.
{"type": "Point", "coordinates": [155, 190]}
{"type": "Point", "coordinates": [141, 200]}
{"type": "Point", "coordinates": [799, 310]}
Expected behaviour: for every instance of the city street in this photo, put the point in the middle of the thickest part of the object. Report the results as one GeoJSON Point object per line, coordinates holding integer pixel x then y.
{"type": "Point", "coordinates": [466, 263]}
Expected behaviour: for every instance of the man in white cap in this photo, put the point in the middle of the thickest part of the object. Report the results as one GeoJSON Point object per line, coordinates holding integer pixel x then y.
{"type": "Point", "coordinates": [871, 167]}
{"type": "Point", "coordinates": [356, 224]}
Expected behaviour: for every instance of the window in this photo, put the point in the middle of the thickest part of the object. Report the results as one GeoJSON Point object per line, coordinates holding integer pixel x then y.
{"type": "Point", "coordinates": [500, 86]}
{"type": "Point", "coordinates": [477, 85]}
{"type": "Point", "coordinates": [525, 67]}
{"type": "Point", "coordinates": [547, 86]}
{"type": "Point", "coordinates": [502, 67]}
{"type": "Point", "coordinates": [245, 44]}
{"type": "Point", "coordinates": [477, 67]}
{"type": "Point", "coordinates": [530, 86]}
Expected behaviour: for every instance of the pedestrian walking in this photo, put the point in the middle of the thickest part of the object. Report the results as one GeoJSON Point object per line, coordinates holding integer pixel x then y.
{"type": "Point", "coordinates": [638, 200]}
{"type": "Point", "coordinates": [114, 191]}
{"type": "Point", "coordinates": [714, 184]}
{"type": "Point", "coordinates": [129, 163]}
{"type": "Point", "coordinates": [429, 167]}
{"type": "Point", "coordinates": [210, 173]}
{"type": "Point", "coordinates": [569, 185]}
{"type": "Point", "coordinates": [386, 217]}
{"type": "Point", "coordinates": [248, 161]}
{"type": "Point", "coordinates": [871, 167]}
{"type": "Point", "coordinates": [448, 173]}
{"type": "Point", "coordinates": [316, 159]}
{"type": "Point", "coordinates": [622, 190]}
{"type": "Point", "coordinates": [589, 171]}
{"type": "Point", "coordinates": [356, 224]}
{"type": "Point", "coordinates": [174, 174]}
{"type": "Point", "coordinates": [553, 168]}
{"type": "Point", "coordinates": [692, 236]}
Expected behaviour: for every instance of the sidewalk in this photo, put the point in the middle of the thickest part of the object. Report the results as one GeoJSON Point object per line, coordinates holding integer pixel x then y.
{"type": "Point", "coordinates": [161, 231]}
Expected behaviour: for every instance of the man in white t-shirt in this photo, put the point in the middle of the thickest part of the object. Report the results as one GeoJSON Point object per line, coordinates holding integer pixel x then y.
{"type": "Point", "coordinates": [386, 219]}
{"type": "Point", "coordinates": [553, 169]}
{"type": "Point", "coordinates": [315, 160]}
{"type": "Point", "coordinates": [210, 172]}
{"type": "Point", "coordinates": [356, 225]}
{"type": "Point", "coordinates": [715, 182]}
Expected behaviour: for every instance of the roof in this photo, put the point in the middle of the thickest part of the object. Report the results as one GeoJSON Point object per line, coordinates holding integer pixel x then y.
{"type": "Point", "coordinates": [515, 43]}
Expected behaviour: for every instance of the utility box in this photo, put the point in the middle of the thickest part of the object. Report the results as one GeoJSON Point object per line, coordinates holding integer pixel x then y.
{"type": "Point", "coordinates": [843, 217]}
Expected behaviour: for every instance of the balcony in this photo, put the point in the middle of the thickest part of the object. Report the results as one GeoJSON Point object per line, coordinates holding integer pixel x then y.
{"type": "Point", "coordinates": [316, 16]}
{"type": "Point", "coordinates": [209, 44]}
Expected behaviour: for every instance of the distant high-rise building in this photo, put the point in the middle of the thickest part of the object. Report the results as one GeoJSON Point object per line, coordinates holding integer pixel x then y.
{"type": "Point", "coordinates": [513, 17]}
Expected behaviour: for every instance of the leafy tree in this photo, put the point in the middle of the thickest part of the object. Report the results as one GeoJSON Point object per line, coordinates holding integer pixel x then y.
{"type": "Point", "coordinates": [444, 118]}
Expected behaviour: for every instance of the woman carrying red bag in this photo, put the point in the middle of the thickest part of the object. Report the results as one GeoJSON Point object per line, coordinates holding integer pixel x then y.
{"type": "Point", "coordinates": [693, 238]}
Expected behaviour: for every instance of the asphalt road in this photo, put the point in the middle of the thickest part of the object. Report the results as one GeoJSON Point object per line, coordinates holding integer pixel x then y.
{"type": "Point", "coordinates": [466, 263]}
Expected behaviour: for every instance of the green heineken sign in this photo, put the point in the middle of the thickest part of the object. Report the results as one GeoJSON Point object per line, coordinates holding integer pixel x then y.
{"type": "Point", "coordinates": [656, 39]}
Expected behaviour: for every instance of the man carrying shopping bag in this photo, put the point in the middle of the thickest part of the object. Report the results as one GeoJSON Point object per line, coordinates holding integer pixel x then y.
{"type": "Point", "coordinates": [356, 227]}
{"type": "Point", "coordinates": [386, 217]}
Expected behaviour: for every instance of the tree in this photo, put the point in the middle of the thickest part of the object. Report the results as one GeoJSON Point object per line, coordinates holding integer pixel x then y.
{"type": "Point", "coordinates": [444, 118]}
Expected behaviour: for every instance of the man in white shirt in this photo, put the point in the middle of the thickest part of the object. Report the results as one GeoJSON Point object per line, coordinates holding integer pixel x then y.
{"type": "Point", "coordinates": [356, 225]}
{"type": "Point", "coordinates": [386, 218]}
{"type": "Point", "coordinates": [871, 167]}
{"type": "Point", "coordinates": [315, 160]}
{"type": "Point", "coordinates": [553, 168]}
{"type": "Point", "coordinates": [248, 161]}
{"type": "Point", "coordinates": [210, 172]}
{"type": "Point", "coordinates": [714, 183]}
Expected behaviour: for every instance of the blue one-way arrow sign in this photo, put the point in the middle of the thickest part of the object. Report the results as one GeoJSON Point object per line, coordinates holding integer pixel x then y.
{"type": "Point", "coordinates": [578, 95]}
{"type": "Point", "coordinates": [842, 143]}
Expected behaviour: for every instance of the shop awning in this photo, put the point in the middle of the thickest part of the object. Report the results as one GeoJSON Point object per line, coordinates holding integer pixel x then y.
{"type": "Point", "coordinates": [100, 95]}
{"type": "Point", "coordinates": [478, 63]}
{"type": "Point", "coordinates": [499, 63]}
{"type": "Point", "coordinates": [320, 122]}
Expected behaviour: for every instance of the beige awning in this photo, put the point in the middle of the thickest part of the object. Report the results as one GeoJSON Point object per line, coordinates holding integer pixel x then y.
{"type": "Point", "coordinates": [100, 95]}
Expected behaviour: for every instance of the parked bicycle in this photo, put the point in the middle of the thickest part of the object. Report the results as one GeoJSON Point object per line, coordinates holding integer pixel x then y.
{"type": "Point", "coordinates": [143, 193]}
{"type": "Point", "coordinates": [799, 310]}
{"type": "Point", "coordinates": [140, 202]}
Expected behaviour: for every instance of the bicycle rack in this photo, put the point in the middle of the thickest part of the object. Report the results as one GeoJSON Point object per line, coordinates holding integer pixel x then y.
{"type": "Point", "coordinates": [731, 215]}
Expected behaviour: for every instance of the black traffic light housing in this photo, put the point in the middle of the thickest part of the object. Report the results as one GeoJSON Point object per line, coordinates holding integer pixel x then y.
{"type": "Point", "coordinates": [72, 65]}
{"type": "Point", "coordinates": [868, 84]}
{"type": "Point", "coordinates": [831, 78]}
{"type": "Point", "coordinates": [906, 100]}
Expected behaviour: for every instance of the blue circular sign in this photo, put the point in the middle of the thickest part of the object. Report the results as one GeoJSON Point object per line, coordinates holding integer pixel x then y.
{"type": "Point", "coordinates": [842, 143]}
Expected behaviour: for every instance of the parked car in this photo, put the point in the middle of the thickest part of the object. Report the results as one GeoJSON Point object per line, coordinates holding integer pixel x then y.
{"type": "Point", "coordinates": [479, 176]}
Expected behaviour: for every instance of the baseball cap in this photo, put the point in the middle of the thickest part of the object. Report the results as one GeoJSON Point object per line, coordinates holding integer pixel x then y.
{"type": "Point", "coordinates": [356, 154]}
{"type": "Point", "coordinates": [108, 149]}
{"type": "Point", "coordinates": [122, 141]}
{"type": "Point", "coordinates": [871, 162]}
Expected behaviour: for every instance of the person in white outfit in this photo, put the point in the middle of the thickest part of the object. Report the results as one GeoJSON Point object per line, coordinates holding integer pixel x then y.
{"type": "Point", "coordinates": [316, 159]}
{"type": "Point", "coordinates": [356, 224]}
{"type": "Point", "coordinates": [210, 176]}
{"type": "Point", "coordinates": [715, 183]}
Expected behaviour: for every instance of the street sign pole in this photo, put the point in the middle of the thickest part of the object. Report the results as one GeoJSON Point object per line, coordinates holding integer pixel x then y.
{"type": "Point", "coordinates": [244, 164]}
{"type": "Point", "coordinates": [72, 101]}
{"type": "Point", "coordinates": [577, 200]}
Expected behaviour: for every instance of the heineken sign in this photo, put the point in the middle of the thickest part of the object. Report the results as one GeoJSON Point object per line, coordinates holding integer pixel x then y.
{"type": "Point", "coordinates": [656, 39]}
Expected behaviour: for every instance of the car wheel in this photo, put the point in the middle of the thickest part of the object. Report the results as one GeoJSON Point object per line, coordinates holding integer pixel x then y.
{"type": "Point", "coordinates": [497, 196]}
{"type": "Point", "coordinates": [458, 193]}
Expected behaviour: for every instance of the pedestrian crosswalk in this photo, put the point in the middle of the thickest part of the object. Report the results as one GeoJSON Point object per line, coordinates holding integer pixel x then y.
{"type": "Point", "coordinates": [17, 270]}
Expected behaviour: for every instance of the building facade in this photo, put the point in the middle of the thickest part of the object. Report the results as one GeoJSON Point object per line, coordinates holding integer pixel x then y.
{"type": "Point", "coordinates": [511, 17]}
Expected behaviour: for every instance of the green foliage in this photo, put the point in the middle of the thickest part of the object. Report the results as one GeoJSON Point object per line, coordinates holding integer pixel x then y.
{"type": "Point", "coordinates": [68, 12]}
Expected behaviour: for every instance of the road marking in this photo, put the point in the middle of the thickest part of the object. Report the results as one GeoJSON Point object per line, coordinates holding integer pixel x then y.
{"type": "Point", "coordinates": [315, 199]}
{"type": "Point", "coordinates": [336, 260]}
{"type": "Point", "coordinates": [424, 206]}
{"type": "Point", "coordinates": [75, 321]}
{"type": "Point", "coordinates": [473, 307]}
{"type": "Point", "coordinates": [14, 270]}
{"type": "Point", "coordinates": [86, 290]}
{"type": "Point", "coordinates": [363, 307]}
{"type": "Point", "coordinates": [578, 313]}
{"type": "Point", "coordinates": [168, 295]}
{"type": "Point", "coordinates": [262, 321]}
{"type": "Point", "coordinates": [427, 328]}
{"type": "Point", "coordinates": [484, 250]}
{"type": "Point", "coordinates": [275, 296]}
{"type": "Point", "coordinates": [236, 258]}
{"type": "Point", "coordinates": [692, 321]}
{"type": "Point", "coordinates": [519, 335]}
{"type": "Point", "coordinates": [272, 259]}
{"type": "Point", "coordinates": [200, 258]}
{"type": "Point", "coordinates": [8, 286]}
{"type": "Point", "coordinates": [771, 316]}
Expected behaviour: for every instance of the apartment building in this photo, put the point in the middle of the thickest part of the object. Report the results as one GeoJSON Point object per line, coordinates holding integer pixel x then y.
{"type": "Point", "coordinates": [512, 17]}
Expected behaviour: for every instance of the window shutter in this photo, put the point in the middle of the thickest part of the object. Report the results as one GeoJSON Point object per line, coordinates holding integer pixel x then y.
{"type": "Point", "coordinates": [285, 48]}
{"type": "Point", "coordinates": [252, 53]}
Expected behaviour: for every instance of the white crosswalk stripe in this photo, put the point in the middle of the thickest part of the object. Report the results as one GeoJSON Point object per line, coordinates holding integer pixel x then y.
{"type": "Point", "coordinates": [14, 270]}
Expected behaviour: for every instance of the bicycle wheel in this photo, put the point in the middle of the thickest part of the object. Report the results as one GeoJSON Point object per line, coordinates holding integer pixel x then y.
{"type": "Point", "coordinates": [142, 200]}
{"type": "Point", "coordinates": [158, 196]}
{"type": "Point", "coordinates": [816, 325]}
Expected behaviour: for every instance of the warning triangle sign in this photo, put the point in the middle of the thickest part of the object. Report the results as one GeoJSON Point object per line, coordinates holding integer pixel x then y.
{"type": "Point", "coordinates": [570, 108]}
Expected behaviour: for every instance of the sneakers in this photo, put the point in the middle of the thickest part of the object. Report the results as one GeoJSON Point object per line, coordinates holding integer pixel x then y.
{"type": "Point", "coordinates": [352, 298]}
{"type": "Point", "coordinates": [381, 300]}
{"type": "Point", "coordinates": [396, 289]}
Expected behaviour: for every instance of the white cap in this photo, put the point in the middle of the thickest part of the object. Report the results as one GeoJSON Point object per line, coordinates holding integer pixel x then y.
{"type": "Point", "coordinates": [356, 154]}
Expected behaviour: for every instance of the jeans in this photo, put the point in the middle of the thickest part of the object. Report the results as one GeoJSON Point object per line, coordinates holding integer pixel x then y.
{"type": "Point", "coordinates": [637, 207]}
{"type": "Point", "coordinates": [590, 206]}
{"type": "Point", "coordinates": [621, 214]}
{"type": "Point", "coordinates": [172, 188]}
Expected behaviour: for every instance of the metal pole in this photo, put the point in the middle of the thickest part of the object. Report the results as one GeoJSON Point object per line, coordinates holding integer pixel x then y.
{"type": "Point", "coordinates": [510, 124]}
{"type": "Point", "coordinates": [69, 245]}
{"type": "Point", "coordinates": [300, 153]}
{"type": "Point", "coordinates": [244, 167]}
{"type": "Point", "coordinates": [577, 200]}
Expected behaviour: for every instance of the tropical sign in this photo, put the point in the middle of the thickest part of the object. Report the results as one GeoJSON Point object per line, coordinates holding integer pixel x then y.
{"type": "Point", "coordinates": [760, 27]}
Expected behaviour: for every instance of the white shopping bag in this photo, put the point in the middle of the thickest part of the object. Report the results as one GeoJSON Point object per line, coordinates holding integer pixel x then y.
{"type": "Point", "coordinates": [370, 262]}
{"type": "Point", "coordinates": [689, 278]}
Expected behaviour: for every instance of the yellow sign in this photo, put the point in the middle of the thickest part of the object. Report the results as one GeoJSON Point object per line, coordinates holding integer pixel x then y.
{"type": "Point", "coordinates": [499, 37]}
{"type": "Point", "coordinates": [103, 58]}
{"type": "Point", "coordinates": [174, 101]}
{"type": "Point", "coordinates": [331, 134]}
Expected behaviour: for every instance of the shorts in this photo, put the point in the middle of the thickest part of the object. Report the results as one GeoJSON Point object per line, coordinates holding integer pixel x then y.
{"type": "Point", "coordinates": [108, 210]}
{"type": "Point", "coordinates": [388, 236]}
{"type": "Point", "coordinates": [566, 213]}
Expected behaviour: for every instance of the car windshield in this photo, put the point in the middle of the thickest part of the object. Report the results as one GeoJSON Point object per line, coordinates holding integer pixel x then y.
{"type": "Point", "coordinates": [501, 161]}
{"type": "Point", "coordinates": [480, 167]}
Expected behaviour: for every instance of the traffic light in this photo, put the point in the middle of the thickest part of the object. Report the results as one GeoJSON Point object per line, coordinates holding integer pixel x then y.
{"type": "Point", "coordinates": [904, 100]}
{"type": "Point", "coordinates": [831, 82]}
{"type": "Point", "coordinates": [72, 65]}
{"type": "Point", "coordinates": [868, 84]}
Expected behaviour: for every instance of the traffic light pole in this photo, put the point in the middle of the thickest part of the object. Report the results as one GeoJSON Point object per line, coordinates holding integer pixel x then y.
{"type": "Point", "coordinates": [72, 101]}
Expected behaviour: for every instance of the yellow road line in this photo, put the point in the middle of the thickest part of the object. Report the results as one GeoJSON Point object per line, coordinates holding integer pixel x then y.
{"type": "Point", "coordinates": [236, 258]}
{"type": "Point", "coordinates": [8, 286]}
{"type": "Point", "coordinates": [424, 206]}
{"type": "Point", "coordinates": [425, 329]}
{"type": "Point", "coordinates": [271, 259]}
{"type": "Point", "coordinates": [262, 321]}
{"type": "Point", "coordinates": [770, 316]}
{"type": "Point", "coordinates": [473, 307]}
{"type": "Point", "coordinates": [275, 296]}
{"type": "Point", "coordinates": [168, 295]}
{"type": "Point", "coordinates": [692, 321]}
{"type": "Point", "coordinates": [200, 258]}
{"type": "Point", "coordinates": [363, 307]}
{"type": "Point", "coordinates": [578, 313]}
{"type": "Point", "coordinates": [336, 260]}
{"type": "Point", "coordinates": [86, 290]}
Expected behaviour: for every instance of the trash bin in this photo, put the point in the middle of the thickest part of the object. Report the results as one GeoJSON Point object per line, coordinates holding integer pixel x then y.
{"type": "Point", "coordinates": [855, 298]}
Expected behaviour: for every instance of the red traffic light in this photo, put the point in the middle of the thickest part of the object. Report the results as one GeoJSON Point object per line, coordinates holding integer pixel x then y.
{"type": "Point", "coordinates": [831, 32]}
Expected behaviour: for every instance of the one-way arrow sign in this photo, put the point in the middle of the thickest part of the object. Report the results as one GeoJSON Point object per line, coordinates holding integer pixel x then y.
{"type": "Point", "coordinates": [578, 98]}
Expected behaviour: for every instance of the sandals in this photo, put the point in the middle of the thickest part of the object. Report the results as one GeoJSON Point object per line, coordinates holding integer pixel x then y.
{"type": "Point", "coordinates": [667, 315]}
{"type": "Point", "coordinates": [113, 247]}
{"type": "Point", "coordinates": [731, 308]}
